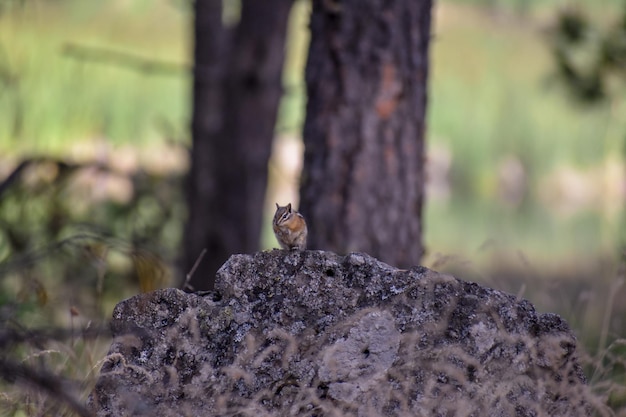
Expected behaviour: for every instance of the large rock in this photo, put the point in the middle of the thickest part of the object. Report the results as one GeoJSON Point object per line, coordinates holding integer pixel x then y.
{"type": "Point", "coordinates": [316, 334]}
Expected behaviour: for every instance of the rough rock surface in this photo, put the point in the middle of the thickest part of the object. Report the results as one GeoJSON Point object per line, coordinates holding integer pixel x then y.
{"type": "Point", "coordinates": [316, 334]}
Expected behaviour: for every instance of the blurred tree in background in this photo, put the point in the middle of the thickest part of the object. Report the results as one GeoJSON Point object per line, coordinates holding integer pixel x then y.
{"type": "Point", "coordinates": [236, 92]}
{"type": "Point", "coordinates": [363, 174]}
{"type": "Point", "coordinates": [363, 177]}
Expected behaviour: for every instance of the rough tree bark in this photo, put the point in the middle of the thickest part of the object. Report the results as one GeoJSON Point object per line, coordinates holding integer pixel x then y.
{"type": "Point", "coordinates": [362, 186]}
{"type": "Point", "coordinates": [236, 92]}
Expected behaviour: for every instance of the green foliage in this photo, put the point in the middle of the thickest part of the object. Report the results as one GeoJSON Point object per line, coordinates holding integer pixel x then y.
{"type": "Point", "coordinates": [588, 55]}
{"type": "Point", "coordinates": [87, 231]}
{"type": "Point", "coordinates": [75, 239]}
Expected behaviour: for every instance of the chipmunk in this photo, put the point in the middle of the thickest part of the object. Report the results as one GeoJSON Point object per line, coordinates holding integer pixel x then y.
{"type": "Point", "coordinates": [289, 227]}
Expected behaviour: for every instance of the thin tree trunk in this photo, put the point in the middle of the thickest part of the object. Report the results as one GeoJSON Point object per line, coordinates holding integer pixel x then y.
{"type": "Point", "coordinates": [237, 89]}
{"type": "Point", "coordinates": [366, 76]}
{"type": "Point", "coordinates": [206, 130]}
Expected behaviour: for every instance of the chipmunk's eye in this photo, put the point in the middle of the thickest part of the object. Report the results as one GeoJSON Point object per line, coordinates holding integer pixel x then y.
{"type": "Point", "coordinates": [285, 216]}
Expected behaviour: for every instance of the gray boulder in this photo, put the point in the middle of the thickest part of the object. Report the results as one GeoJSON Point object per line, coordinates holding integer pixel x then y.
{"type": "Point", "coordinates": [292, 333]}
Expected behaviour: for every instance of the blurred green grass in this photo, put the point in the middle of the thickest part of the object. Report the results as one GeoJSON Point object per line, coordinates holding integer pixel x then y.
{"type": "Point", "coordinates": [52, 100]}
{"type": "Point", "coordinates": [492, 96]}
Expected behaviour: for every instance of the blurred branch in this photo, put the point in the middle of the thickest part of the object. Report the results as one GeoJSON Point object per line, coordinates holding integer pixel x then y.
{"type": "Point", "coordinates": [123, 59]}
{"type": "Point", "coordinates": [42, 380]}
{"type": "Point", "coordinates": [34, 256]}
{"type": "Point", "coordinates": [186, 285]}
{"type": "Point", "coordinates": [14, 175]}
{"type": "Point", "coordinates": [10, 336]}
{"type": "Point", "coordinates": [62, 165]}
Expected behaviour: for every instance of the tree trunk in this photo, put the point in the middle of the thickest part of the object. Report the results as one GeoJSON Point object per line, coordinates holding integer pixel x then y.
{"type": "Point", "coordinates": [237, 89]}
{"type": "Point", "coordinates": [363, 178]}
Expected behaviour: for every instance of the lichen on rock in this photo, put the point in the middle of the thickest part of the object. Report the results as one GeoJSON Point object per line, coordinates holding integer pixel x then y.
{"type": "Point", "coordinates": [311, 333]}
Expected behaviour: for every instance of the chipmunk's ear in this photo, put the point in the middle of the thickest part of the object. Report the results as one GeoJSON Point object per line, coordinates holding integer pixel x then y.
{"type": "Point", "coordinates": [277, 206]}
{"type": "Point", "coordinates": [289, 207]}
